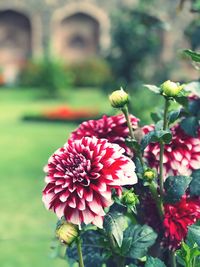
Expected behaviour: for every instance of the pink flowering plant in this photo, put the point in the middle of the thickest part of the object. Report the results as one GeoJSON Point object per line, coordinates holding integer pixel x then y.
{"type": "Point", "coordinates": [127, 195]}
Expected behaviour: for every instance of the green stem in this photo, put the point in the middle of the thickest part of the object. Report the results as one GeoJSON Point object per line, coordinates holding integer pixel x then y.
{"type": "Point", "coordinates": [126, 114]}
{"type": "Point", "coordinates": [157, 199]}
{"type": "Point", "coordinates": [173, 259]}
{"type": "Point", "coordinates": [162, 146]}
{"type": "Point", "coordinates": [79, 249]}
{"type": "Point", "coordinates": [131, 132]}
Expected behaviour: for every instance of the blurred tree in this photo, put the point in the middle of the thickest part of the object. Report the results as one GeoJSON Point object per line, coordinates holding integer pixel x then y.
{"type": "Point", "coordinates": [136, 36]}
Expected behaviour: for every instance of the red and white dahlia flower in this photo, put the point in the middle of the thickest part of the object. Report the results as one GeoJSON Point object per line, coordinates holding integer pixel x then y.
{"type": "Point", "coordinates": [181, 156]}
{"type": "Point", "coordinates": [80, 177]}
{"type": "Point", "coordinates": [178, 217]}
{"type": "Point", "coordinates": [113, 128]}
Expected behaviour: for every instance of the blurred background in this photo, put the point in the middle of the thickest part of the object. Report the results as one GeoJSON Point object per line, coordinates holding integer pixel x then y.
{"type": "Point", "coordinates": [59, 59]}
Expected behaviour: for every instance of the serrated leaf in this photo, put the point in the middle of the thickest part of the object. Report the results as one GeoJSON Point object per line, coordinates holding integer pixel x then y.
{"type": "Point", "coordinates": [114, 224]}
{"type": "Point", "coordinates": [154, 262]}
{"type": "Point", "coordinates": [152, 88]}
{"type": "Point", "coordinates": [137, 240]}
{"type": "Point", "coordinates": [175, 187]}
{"type": "Point", "coordinates": [190, 126]}
{"type": "Point", "coordinates": [193, 235]}
{"type": "Point", "coordinates": [193, 55]}
{"type": "Point", "coordinates": [173, 116]}
{"type": "Point", "coordinates": [94, 249]}
{"type": "Point", "coordinates": [195, 184]}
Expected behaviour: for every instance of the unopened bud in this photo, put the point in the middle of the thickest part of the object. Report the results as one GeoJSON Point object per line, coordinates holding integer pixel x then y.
{"type": "Point", "coordinates": [119, 98]}
{"type": "Point", "coordinates": [66, 232]}
{"type": "Point", "coordinates": [171, 89]}
{"type": "Point", "coordinates": [149, 175]}
{"type": "Point", "coordinates": [129, 198]}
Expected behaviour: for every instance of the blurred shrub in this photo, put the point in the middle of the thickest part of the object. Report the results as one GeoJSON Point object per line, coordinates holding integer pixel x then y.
{"type": "Point", "coordinates": [192, 32]}
{"type": "Point", "coordinates": [136, 38]}
{"type": "Point", "coordinates": [92, 72]}
{"type": "Point", "coordinates": [47, 74]}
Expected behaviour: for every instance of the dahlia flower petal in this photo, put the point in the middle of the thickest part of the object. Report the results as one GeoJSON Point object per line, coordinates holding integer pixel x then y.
{"type": "Point", "coordinates": [113, 128]}
{"type": "Point", "coordinates": [80, 193]}
{"type": "Point", "coordinates": [181, 156]}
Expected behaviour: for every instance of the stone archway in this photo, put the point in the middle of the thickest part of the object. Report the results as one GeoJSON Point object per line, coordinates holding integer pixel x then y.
{"type": "Point", "coordinates": [15, 42]}
{"type": "Point", "coordinates": [80, 30]}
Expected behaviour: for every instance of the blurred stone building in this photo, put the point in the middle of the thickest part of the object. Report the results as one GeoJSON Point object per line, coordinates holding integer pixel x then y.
{"type": "Point", "coordinates": [74, 29]}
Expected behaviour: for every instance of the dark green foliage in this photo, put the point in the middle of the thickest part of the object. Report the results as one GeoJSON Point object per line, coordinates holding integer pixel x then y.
{"type": "Point", "coordinates": [114, 225]}
{"type": "Point", "coordinates": [161, 136]}
{"type": "Point", "coordinates": [136, 35]}
{"type": "Point", "coordinates": [175, 187]}
{"type": "Point", "coordinates": [193, 55]}
{"type": "Point", "coordinates": [154, 262]}
{"type": "Point", "coordinates": [195, 184]}
{"type": "Point", "coordinates": [137, 240]}
{"type": "Point", "coordinates": [173, 116]}
{"type": "Point", "coordinates": [47, 74]}
{"type": "Point", "coordinates": [93, 249]}
{"type": "Point", "coordinates": [190, 125]}
{"type": "Point", "coordinates": [193, 235]}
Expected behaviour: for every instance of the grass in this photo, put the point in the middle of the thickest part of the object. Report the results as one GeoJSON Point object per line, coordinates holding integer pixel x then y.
{"type": "Point", "coordinates": [26, 228]}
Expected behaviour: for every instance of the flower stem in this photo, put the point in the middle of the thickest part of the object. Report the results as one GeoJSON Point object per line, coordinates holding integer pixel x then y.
{"type": "Point", "coordinates": [79, 249]}
{"type": "Point", "coordinates": [127, 116]}
{"type": "Point", "coordinates": [173, 259]}
{"type": "Point", "coordinates": [162, 146]}
{"type": "Point", "coordinates": [157, 199]}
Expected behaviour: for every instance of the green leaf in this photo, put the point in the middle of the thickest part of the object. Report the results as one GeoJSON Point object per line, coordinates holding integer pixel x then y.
{"type": "Point", "coordinates": [94, 248]}
{"type": "Point", "coordinates": [182, 100]}
{"type": "Point", "coordinates": [154, 262]}
{"type": "Point", "coordinates": [147, 139]}
{"type": "Point", "coordinates": [175, 187]}
{"type": "Point", "coordinates": [132, 143]}
{"type": "Point", "coordinates": [193, 55]}
{"type": "Point", "coordinates": [114, 224]}
{"type": "Point", "coordinates": [193, 235]}
{"type": "Point", "coordinates": [137, 240]}
{"type": "Point", "coordinates": [163, 136]}
{"type": "Point", "coordinates": [173, 116]}
{"type": "Point", "coordinates": [153, 88]}
{"type": "Point", "coordinates": [190, 126]}
{"type": "Point", "coordinates": [195, 184]}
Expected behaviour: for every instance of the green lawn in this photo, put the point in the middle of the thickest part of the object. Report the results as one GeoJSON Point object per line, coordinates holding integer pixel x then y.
{"type": "Point", "coordinates": [26, 228]}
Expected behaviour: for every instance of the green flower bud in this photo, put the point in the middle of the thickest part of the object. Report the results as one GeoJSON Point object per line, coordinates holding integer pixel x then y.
{"type": "Point", "coordinates": [66, 232]}
{"type": "Point", "coordinates": [129, 198]}
{"type": "Point", "coordinates": [149, 175]}
{"type": "Point", "coordinates": [119, 98]}
{"type": "Point", "coordinates": [171, 89]}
